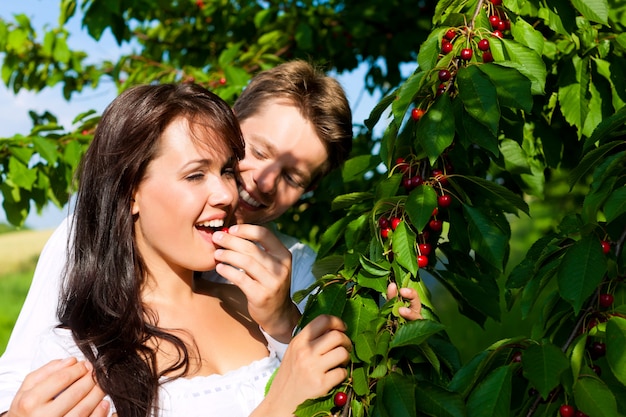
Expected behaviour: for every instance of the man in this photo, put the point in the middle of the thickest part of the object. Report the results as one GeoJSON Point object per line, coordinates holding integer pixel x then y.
{"type": "Point", "coordinates": [297, 125]}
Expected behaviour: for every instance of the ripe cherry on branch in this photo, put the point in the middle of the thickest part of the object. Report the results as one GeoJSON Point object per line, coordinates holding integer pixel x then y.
{"type": "Point", "coordinates": [483, 44]}
{"type": "Point", "coordinates": [606, 246]}
{"type": "Point", "coordinates": [566, 410]}
{"type": "Point", "coordinates": [417, 113]}
{"type": "Point", "coordinates": [444, 75]}
{"type": "Point", "coordinates": [424, 249]}
{"type": "Point", "coordinates": [341, 398]}
{"type": "Point", "coordinates": [444, 200]}
{"type": "Point", "coordinates": [450, 34]}
{"type": "Point", "coordinates": [446, 46]}
{"type": "Point", "coordinates": [466, 54]}
{"type": "Point", "coordinates": [606, 300]}
{"type": "Point", "coordinates": [422, 261]}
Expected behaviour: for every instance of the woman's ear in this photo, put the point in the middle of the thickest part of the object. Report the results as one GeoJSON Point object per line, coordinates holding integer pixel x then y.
{"type": "Point", "coordinates": [134, 207]}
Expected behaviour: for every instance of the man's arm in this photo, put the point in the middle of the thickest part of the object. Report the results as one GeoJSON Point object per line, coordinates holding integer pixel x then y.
{"type": "Point", "coordinates": [37, 316]}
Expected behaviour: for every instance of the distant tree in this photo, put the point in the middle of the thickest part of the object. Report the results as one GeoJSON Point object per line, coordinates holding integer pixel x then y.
{"type": "Point", "coordinates": [515, 104]}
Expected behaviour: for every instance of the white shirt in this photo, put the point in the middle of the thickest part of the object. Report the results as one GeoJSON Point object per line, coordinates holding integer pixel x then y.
{"type": "Point", "coordinates": [38, 315]}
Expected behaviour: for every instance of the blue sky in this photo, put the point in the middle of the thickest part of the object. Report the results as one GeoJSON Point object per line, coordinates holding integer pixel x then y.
{"type": "Point", "coordinates": [14, 108]}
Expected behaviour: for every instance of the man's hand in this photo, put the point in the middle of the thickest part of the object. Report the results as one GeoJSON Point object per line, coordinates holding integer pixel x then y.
{"type": "Point", "coordinates": [60, 388]}
{"type": "Point", "coordinates": [255, 260]}
{"type": "Point", "coordinates": [414, 311]}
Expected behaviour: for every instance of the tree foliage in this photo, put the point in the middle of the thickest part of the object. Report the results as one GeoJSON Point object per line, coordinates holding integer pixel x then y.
{"type": "Point", "coordinates": [507, 99]}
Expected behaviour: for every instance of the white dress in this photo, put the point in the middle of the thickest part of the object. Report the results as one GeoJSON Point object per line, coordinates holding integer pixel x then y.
{"type": "Point", "coordinates": [234, 394]}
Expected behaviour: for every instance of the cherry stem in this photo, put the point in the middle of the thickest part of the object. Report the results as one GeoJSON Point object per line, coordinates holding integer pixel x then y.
{"type": "Point", "coordinates": [476, 12]}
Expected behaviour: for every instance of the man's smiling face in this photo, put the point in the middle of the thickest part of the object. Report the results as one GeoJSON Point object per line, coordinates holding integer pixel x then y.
{"type": "Point", "coordinates": [283, 155]}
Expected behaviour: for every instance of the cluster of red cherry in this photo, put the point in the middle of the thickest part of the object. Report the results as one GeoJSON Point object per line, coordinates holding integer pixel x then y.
{"type": "Point", "coordinates": [411, 179]}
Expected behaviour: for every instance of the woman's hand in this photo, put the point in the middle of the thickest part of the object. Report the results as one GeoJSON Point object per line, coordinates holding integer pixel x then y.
{"type": "Point", "coordinates": [315, 362]}
{"type": "Point", "coordinates": [255, 260]}
{"type": "Point", "coordinates": [60, 388]}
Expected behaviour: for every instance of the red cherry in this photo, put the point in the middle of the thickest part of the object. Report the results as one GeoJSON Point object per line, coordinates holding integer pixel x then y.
{"type": "Point", "coordinates": [441, 90]}
{"type": "Point", "coordinates": [444, 75]}
{"type": "Point", "coordinates": [501, 26]}
{"type": "Point", "coordinates": [496, 2]}
{"type": "Point", "coordinates": [422, 261]}
{"type": "Point", "coordinates": [497, 34]}
{"type": "Point", "coordinates": [424, 235]}
{"type": "Point", "coordinates": [417, 113]}
{"type": "Point", "coordinates": [424, 249]}
{"type": "Point", "coordinates": [200, 3]}
{"type": "Point", "coordinates": [341, 398]}
{"type": "Point", "coordinates": [407, 183]}
{"type": "Point", "coordinates": [435, 225]}
{"type": "Point", "coordinates": [487, 57]}
{"type": "Point", "coordinates": [580, 414]}
{"type": "Point", "coordinates": [395, 221]}
{"type": "Point", "coordinates": [483, 44]}
{"type": "Point", "coordinates": [383, 222]}
{"type": "Point", "coordinates": [222, 81]}
{"type": "Point", "coordinates": [507, 24]}
{"type": "Point", "coordinates": [494, 20]}
{"type": "Point", "coordinates": [450, 34]}
{"type": "Point", "coordinates": [446, 46]}
{"type": "Point", "coordinates": [597, 350]}
{"type": "Point", "coordinates": [224, 229]}
{"type": "Point", "coordinates": [566, 410]}
{"type": "Point", "coordinates": [606, 246]}
{"type": "Point", "coordinates": [416, 181]}
{"type": "Point", "coordinates": [517, 357]}
{"type": "Point", "coordinates": [606, 300]}
{"type": "Point", "coordinates": [438, 175]}
{"type": "Point", "coordinates": [466, 54]}
{"type": "Point", "coordinates": [444, 200]}
{"type": "Point", "coordinates": [403, 165]}
{"type": "Point", "coordinates": [385, 232]}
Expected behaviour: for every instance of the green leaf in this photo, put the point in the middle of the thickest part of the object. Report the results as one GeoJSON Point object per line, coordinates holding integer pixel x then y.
{"type": "Point", "coordinates": [606, 129]}
{"type": "Point", "coordinates": [581, 271]}
{"type": "Point", "coordinates": [405, 94]}
{"type": "Point", "coordinates": [479, 96]}
{"type": "Point", "coordinates": [355, 168]}
{"type": "Point", "coordinates": [513, 88]}
{"type": "Point", "coordinates": [492, 396]}
{"type": "Point", "coordinates": [435, 401]}
{"type": "Point", "coordinates": [46, 148]}
{"type": "Point", "coordinates": [304, 36]}
{"type": "Point", "coordinates": [365, 345]}
{"type": "Point", "coordinates": [615, 205]}
{"type": "Point", "coordinates": [348, 200]}
{"type": "Point", "coordinates": [592, 159]}
{"type": "Point", "coordinates": [395, 393]}
{"type": "Point", "coordinates": [615, 342]}
{"type": "Point", "coordinates": [524, 33]}
{"type": "Point", "coordinates": [20, 175]}
{"type": "Point", "coordinates": [429, 51]}
{"type": "Point", "coordinates": [228, 55]}
{"type": "Point", "coordinates": [435, 131]}
{"type": "Point", "coordinates": [594, 398]}
{"type": "Point", "coordinates": [574, 91]}
{"type": "Point", "coordinates": [403, 245]}
{"type": "Point", "coordinates": [543, 365]}
{"type": "Point", "coordinates": [594, 10]}
{"type": "Point", "coordinates": [359, 313]}
{"type": "Point", "coordinates": [487, 238]}
{"type": "Point", "coordinates": [413, 333]}
{"type": "Point", "coordinates": [526, 61]}
{"type": "Point", "coordinates": [331, 299]}
{"type": "Point", "coordinates": [420, 204]}
{"type": "Point", "coordinates": [484, 190]}
{"type": "Point", "coordinates": [515, 159]}
{"type": "Point", "coordinates": [465, 378]}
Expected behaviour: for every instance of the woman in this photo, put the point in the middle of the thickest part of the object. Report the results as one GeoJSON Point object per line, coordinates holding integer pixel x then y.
{"type": "Point", "coordinates": [157, 181]}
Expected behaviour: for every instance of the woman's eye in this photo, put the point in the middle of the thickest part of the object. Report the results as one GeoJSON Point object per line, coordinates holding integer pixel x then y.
{"type": "Point", "coordinates": [294, 181]}
{"type": "Point", "coordinates": [258, 153]}
{"type": "Point", "coordinates": [195, 177]}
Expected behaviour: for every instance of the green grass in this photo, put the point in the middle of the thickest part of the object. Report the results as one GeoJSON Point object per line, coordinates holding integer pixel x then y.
{"type": "Point", "coordinates": [13, 289]}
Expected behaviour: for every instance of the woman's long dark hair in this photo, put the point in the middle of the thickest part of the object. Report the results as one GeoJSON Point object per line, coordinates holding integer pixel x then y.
{"type": "Point", "coordinates": [101, 299]}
